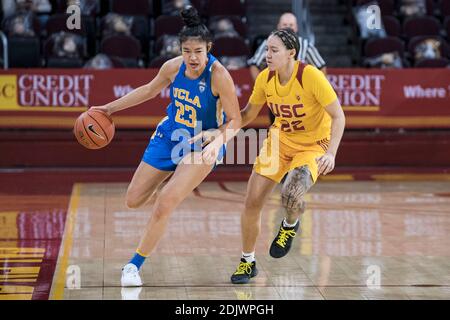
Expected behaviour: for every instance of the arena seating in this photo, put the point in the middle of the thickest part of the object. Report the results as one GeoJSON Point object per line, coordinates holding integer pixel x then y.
{"type": "Point", "coordinates": [147, 22]}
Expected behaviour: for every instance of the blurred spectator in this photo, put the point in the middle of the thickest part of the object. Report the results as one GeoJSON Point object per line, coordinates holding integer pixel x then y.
{"type": "Point", "coordinates": [233, 63]}
{"type": "Point", "coordinates": [410, 8]}
{"type": "Point", "coordinates": [223, 27]}
{"type": "Point", "coordinates": [100, 61]}
{"type": "Point", "coordinates": [287, 20]}
{"type": "Point", "coordinates": [362, 16]}
{"type": "Point", "coordinates": [11, 7]}
{"type": "Point", "coordinates": [114, 24]}
{"type": "Point", "coordinates": [173, 7]}
{"type": "Point", "coordinates": [170, 46]}
{"type": "Point", "coordinates": [427, 49]}
{"type": "Point", "coordinates": [20, 25]}
{"type": "Point", "coordinates": [385, 60]}
{"type": "Point", "coordinates": [67, 45]}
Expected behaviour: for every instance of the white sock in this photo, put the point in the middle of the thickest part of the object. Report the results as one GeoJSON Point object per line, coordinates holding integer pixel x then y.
{"type": "Point", "coordinates": [249, 257]}
{"type": "Point", "coordinates": [287, 225]}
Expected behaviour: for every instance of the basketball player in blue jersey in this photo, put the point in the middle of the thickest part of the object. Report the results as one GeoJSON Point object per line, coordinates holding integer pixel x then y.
{"type": "Point", "coordinates": [203, 97]}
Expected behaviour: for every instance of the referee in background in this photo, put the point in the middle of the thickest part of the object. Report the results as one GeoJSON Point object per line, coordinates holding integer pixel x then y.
{"type": "Point", "coordinates": [308, 53]}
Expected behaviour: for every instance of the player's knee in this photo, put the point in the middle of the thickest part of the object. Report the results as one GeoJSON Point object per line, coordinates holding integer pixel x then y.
{"type": "Point", "coordinates": [252, 205]}
{"type": "Point", "coordinates": [132, 201]}
{"type": "Point", "coordinates": [297, 183]}
{"type": "Point", "coordinates": [164, 205]}
{"type": "Point", "coordinates": [291, 200]}
{"type": "Point", "coordinates": [292, 196]}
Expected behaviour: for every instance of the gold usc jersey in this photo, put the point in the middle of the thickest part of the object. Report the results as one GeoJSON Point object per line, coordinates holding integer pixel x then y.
{"type": "Point", "coordinates": [298, 106]}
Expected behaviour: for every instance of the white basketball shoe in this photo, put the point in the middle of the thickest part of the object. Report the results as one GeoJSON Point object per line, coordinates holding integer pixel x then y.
{"type": "Point", "coordinates": [131, 293]}
{"type": "Point", "coordinates": [130, 276]}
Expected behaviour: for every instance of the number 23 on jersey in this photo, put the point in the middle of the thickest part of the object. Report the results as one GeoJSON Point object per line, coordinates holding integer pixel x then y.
{"type": "Point", "coordinates": [186, 114]}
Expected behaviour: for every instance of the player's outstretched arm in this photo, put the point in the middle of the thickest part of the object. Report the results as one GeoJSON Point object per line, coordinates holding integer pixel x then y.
{"type": "Point", "coordinates": [250, 112]}
{"type": "Point", "coordinates": [145, 92]}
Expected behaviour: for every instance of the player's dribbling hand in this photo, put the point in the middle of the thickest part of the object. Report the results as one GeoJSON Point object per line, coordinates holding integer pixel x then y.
{"type": "Point", "coordinates": [211, 152]}
{"type": "Point", "coordinates": [207, 136]}
{"type": "Point", "coordinates": [325, 163]}
{"type": "Point", "coordinates": [102, 108]}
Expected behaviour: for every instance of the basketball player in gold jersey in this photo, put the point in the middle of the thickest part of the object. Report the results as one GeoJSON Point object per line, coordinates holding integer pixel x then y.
{"type": "Point", "coordinates": [302, 143]}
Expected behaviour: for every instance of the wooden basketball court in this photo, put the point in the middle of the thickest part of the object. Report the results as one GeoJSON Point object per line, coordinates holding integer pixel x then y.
{"type": "Point", "coordinates": [359, 240]}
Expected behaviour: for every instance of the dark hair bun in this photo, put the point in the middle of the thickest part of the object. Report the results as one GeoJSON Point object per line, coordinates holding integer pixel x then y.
{"type": "Point", "coordinates": [190, 17]}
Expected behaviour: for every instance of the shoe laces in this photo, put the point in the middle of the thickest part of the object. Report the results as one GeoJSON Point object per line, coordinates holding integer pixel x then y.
{"type": "Point", "coordinates": [130, 270]}
{"type": "Point", "coordinates": [244, 268]}
{"type": "Point", "coordinates": [284, 235]}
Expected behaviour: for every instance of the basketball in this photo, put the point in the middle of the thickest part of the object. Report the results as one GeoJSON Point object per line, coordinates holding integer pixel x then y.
{"type": "Point", "coordinates": [94, 129]}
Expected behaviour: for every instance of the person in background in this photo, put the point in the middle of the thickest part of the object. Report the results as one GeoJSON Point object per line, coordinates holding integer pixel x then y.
{"type": "Point", "coordinates": [308, 53]}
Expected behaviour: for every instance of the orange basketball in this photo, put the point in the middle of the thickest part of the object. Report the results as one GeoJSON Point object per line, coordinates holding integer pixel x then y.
{"type": "Point", "coordinates": [94, 129]}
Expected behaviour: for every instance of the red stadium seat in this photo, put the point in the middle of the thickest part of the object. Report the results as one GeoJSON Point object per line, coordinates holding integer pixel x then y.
{"type": "Point", "coordinates": [445, 8]}
{"type": "Point", "coordinates": [132, 7]}
{"type": "Point", "coordinates": [168, 25]}
{"type": "Point", "coordinates": [122, 46]}
{"type": "Point", "coordinates": [392, 26]}
{"type": "Point", "coordinates": [433, 63]}
{"type": "Point", "coordinates": [230, 47]}
{"type": "Point", "coordinates": [421, 26]}
{"type": "Point", "coordinates": [158, 61]}
{"type": "Point", "coordinates": [225, 8]}
{"type": "Point", "coordinates": [379, 46]}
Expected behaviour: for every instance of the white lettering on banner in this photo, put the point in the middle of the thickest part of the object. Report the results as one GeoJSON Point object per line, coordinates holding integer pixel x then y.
{"type": "Point", "coordinates": [357, 90]}
{"type": "Point", "coordinates": [165, 93]}
{"type": "Point", "coordinates": [239, 89]}
{"type": "Point", "coordinates": [120, 91]}
{"type": "Point", "coordinates": [414, 92]}
{"type": "Point", "coordinates": [54, 90]}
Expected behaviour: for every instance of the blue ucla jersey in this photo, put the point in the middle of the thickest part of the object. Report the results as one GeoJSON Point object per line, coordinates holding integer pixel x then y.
{"type": "Point", "coordinates": [193, 108]}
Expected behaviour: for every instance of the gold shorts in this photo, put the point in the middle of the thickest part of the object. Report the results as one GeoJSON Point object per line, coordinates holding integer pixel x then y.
{"type": "Point", "coordinates": [277, 158]}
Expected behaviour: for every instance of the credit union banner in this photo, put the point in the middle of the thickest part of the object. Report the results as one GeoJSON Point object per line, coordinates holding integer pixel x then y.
{"type": "Point", "coordinates": [371, 98]}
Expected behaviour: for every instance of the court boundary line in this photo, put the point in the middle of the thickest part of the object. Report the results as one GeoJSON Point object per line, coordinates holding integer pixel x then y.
{"type": "Point", "coordinates": [58, 283]}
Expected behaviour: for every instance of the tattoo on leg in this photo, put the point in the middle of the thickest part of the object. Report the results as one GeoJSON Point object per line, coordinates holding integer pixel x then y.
{"type": "Point", "coordinates": [297, 183]}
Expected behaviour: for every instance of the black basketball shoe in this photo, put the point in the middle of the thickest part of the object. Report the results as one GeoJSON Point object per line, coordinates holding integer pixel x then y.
{"type": "Point", "coordinates": [244, 272]}
{"type": "Point", "coordinates": [283, 241]}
